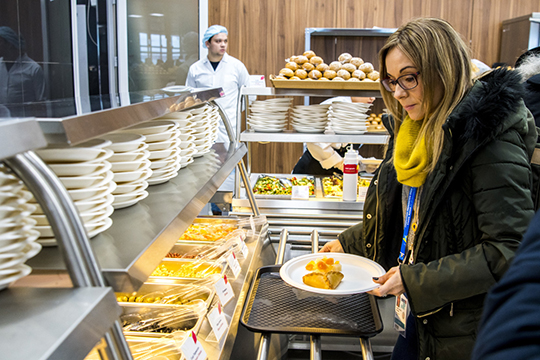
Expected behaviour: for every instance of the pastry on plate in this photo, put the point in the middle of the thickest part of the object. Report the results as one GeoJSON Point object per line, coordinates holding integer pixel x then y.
{"type": "Point", "coordinates": [325, 273]}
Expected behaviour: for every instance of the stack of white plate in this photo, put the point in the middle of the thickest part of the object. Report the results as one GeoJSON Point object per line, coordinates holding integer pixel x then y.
{"type": "Point", "coordinates": [130, 166]}
{"type": "Point", "coordinates": [87, 176]}
{"type": "Point", "coordinates": [310, 118]}
{"type": "Point", "coordinates": [163, 145]}
{"type": "Point", "coordinates": [204, 126]}
{"type": "Point", "coordinates": [348, 118]}
{"type": "Point", "coordinates": [269, 115]}
{"type": "Point", "coordinates": [17, 236]}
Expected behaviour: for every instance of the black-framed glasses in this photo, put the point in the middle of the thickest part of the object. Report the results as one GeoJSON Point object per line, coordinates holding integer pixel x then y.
{"type": "Point", "coordinates": [407, 82]}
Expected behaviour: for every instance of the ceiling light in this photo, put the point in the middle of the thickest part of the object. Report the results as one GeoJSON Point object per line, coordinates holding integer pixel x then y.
{"type": "Point", "coordinates": [156, 14]}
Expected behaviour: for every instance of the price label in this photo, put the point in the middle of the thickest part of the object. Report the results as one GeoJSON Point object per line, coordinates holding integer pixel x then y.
{"type": "Point", "coordinates": [300, 192]}
{"type": "Point", "coordinates": [192, 348]}
{"type": "Point", "coordinates": [234, 264]}
{"type": "Point", "coordinates": [244, 249]}
{"type": "Point", "coordinates": [217, 320]}
{"type": "Point", "coordinates": [224, 290]}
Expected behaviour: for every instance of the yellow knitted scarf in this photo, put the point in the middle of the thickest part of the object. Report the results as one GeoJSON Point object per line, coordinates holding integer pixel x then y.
{"type": "Point", "coordinates": [410, 161]}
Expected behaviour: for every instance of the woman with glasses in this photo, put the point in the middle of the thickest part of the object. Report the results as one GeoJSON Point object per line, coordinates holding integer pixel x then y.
{"type": "Point", "coordinates": [448, 206]}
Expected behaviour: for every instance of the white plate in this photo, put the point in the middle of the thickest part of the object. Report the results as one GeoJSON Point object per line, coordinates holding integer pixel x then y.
{"type": "Point", "coordinates": [124, 142]}
{"type": "Point", "coordinates": [161, 145]}
{"type": "Point", "coordinates": [11, 275]}
{"type": "Point", "coordinates": [91, 217]}
{"type": "Point", "coordinates": [358, 272]}
{"type": "Point", "coordinates": [125, 204]}
{"type": "Point", "coordinates": [94, 205]}
{"type": "Point", "coordinates": [349, 132]}
{"type": "Point", "coordinates": [266, 130]}
{"type": "Point", "coordinates": [122, 166]}
{"type": "Point", "coordinates": [13, 259]}
{"type": "Point", "coordinates": [95, 143]}
{"type": "Point", "coordinates": [130, 155]}
{"type": "Point", "coordinates": [301, 129]}
{"type": "Point", "coordinates": [162, 179]}
{"type": "Point", "coordinates": [177, 89]}
{"type": "Point", "coordinates": [79, 169]}
{"type": "Point", "coordinates": [70, 155]}
{"type": "Point", "coordinates": [27, 237]}
{"type": "Point", "coordinates": [164, 136]}
{"type": "Point", "coordinates": [127, 176]}
{"type": "Point", "coordinates": [162, 154]}
{"type": "Point", "coordinates": [152, 127]}
{"type": "Point", "coordinates": [184, 164]}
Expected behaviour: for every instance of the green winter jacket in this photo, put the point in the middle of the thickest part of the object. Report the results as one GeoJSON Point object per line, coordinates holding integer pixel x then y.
{"type": "Point", "coordinates": [474, 208]}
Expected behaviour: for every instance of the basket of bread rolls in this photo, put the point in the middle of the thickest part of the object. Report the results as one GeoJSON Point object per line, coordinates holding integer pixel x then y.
{"type": "Point", "coordinates": [374, 123]}
{"type": "Point", "coordinates": [311, 71]}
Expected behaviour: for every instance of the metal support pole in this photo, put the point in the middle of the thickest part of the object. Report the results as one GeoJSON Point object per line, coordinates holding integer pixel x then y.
{"type": "Point", "coordinates": [367, 353]}
{"type": "Point", "coordinates": [249, 192]}
{"type": "Point", "coordinates": [264, 344]}
{"type": "Point", "coordinates": [69, 232]}
{"type": "Point", "coordinates": [315, 352]}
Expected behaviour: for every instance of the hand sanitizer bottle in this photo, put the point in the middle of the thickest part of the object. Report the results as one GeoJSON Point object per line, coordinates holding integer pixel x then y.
{"type": "Point", "coordinates": [350, 175]}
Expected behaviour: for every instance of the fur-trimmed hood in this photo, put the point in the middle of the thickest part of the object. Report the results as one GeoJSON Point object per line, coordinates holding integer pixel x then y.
{"type": "Point", "coordinates": [488, 109]}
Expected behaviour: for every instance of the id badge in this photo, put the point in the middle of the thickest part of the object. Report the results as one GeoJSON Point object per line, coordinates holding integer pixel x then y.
{"type": "Point", "coordinates": [401, 313]}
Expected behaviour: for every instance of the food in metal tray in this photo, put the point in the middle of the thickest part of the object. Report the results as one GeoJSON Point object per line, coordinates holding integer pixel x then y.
{"type": "Point", "coordinates": [207, 232]}
{"type": "Point", "coordinates": [270, 185]}
{"type": "Point", "coordinates": [333, 185]}
{"type": "Point", "coordinates": [175, 296]}
{"type": "Point", "coordinates": [325, 273]}
{"type": "Point", "coordinates": [160, 321]}
{"type": "Point", "coordinates": [188, 270]}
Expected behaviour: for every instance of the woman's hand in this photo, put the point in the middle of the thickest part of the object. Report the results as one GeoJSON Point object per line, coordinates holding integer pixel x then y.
{"type": "Point", "coordinates": [391, 284]}
{"type": "Point", "coordinates": [332, 246]}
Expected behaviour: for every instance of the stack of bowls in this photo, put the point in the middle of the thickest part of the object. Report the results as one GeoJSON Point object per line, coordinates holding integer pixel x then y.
{"type": "Point", "coordinates": [310, 118]}
{"type": "Point", "coordinates": [87, 176]}
{"type": "Point", "coordinates": [131, 168]}
{"type": "Point", "coordinates": [163, 145]}
{"type": "Point", "coordinates": [348, 118]}
{"type": "Point", "coordinates": [269, 115]}
{"type": "Point", "coordinates": [17, 236]}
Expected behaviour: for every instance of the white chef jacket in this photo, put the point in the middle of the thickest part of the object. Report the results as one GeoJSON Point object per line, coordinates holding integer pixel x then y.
{"type": "Point", "coordinates": [230, 75]}
{"type": "Point", "coordinates": [23, 83]}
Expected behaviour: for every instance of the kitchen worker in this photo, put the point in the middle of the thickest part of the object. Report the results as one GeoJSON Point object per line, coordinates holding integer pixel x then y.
{"type": "Point", "coordinates": [219, 69]}
{"type": "Point", "coordinates": [449, 204]}
{"type": "Point", "coordinates": [21, 78]}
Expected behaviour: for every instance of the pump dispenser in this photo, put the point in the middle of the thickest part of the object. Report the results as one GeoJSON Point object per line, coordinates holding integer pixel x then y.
{"type": "Point", "coordinates": [350, 175]}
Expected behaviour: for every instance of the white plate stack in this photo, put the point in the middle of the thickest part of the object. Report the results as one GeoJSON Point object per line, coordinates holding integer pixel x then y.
{"type": "Point", "coordinates": [348, 118]}
{"type": "Point", "coordinates": [269, 115]}
{"type": "Point", "coordinates": [17, 236]}
{"type": "Point", "coordinates": [204, 125]}
{"type": "Point", "coordinates": [310, 118]}
{"type": "Point", "coordinates": [163, 145]}
{"type": "Point", "coordinates": [131, 168]}
{"type": "Point", "coordinates": [87, 176]}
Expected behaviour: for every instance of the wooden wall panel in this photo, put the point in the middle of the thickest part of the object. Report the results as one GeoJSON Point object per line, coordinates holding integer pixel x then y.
{"type": "Point", "coordinates": [263, 33]}
{"type": "Point", "coordinates": [488, 16]}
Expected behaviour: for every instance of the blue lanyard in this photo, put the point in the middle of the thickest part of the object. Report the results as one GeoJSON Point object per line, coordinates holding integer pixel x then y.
{"type": "Point", "coordinates": [408, 216]}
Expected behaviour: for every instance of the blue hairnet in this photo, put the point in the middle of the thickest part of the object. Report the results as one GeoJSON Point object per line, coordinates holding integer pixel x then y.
{"type": "Point", "coordinates": [11, 37]}
{"type": "Point", "coordinates": [211, 31]}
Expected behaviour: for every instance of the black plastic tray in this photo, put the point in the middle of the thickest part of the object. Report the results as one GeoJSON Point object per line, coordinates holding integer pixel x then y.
{"type": "Point", "coordinates": [276, 307]}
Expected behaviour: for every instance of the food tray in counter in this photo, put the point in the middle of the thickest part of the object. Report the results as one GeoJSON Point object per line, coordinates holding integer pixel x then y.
{"type": "Point", "coordinates": [158, 320]}
{"type": "Point", "coordinates": [333, 186]}
{"type": "Point", "coordinates": [148, 348]}
{"type": "Point", "coordinates": [209, 230]}
{"type": "Point", "coordinates": [320, 84]}
{"type": "Point", "coordinates": [169, 294]}
{"type": "Point", "coordinates": [184, 270]}
{"type": "Point", "coordinates": [280, 187]}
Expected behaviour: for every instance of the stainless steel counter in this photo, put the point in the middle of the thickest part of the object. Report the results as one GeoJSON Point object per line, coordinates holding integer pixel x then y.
{"type": "Point", "coordinates": [45, 323]}
{"type": "Point", "coordinates": [141, 235]}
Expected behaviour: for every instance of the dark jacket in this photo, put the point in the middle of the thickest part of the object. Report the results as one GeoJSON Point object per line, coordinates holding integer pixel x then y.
{"type": "Point", "coordinates": [474, 208]}
{"type": "Point", "coordinates": [510, 328]}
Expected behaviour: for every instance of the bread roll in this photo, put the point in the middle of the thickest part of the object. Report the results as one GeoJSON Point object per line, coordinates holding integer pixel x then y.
{"type": "Point", "coordinates": [308, 66]}
{"type": "Point", "coordinates": [349, 67]}
{"type": "Point", "coordinates": [337, 78]}
{"type": "Point", "coordinates": [353, 79]}
{"type": "Point", "coordinates": [335, 66]}
{"type": "Point", "coordinates": [301, 73]}
{"type": "Point", "coordinates": [291, 65]}
{"type": "Point", "coordinates": [301, 60]}
{"type": "Point", "coordinates": [359, 74]}
{"type": "Point", "coordinates": [295, 78]}
{"type": "Point", "coordinates": [286, 72]}
{"type": "Point", "coordinates": [374, 75]}
{"type": "Point", "coordinates": [344, 74]}
{"type": "Point", "coordinates": [356, 61]}
{"type": "Point", "coordinates": [366, 67]}
{"type": "Point", "coordinates": [292, 59]}
{"type": "Point", "coordinates": [345, 58]}
{"type": "Point", "coordinates": [322, 67]}
{"type": "Point", "coordinates": [309, 54]}
{"type": "Point", "coordinates": [316, 60]}
{"type": "Point", "coordinates": [330, 74]}
{"type": "Point", "coordinates": [315, 74]}
{"type": "Point", "coordinates": [281, 77]}
{"type": "Point", "coordinates": [324, 79]}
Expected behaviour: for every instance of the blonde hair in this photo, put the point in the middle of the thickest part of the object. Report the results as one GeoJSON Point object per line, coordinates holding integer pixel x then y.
{"type": "Point", "coordinates": [442, 59]}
